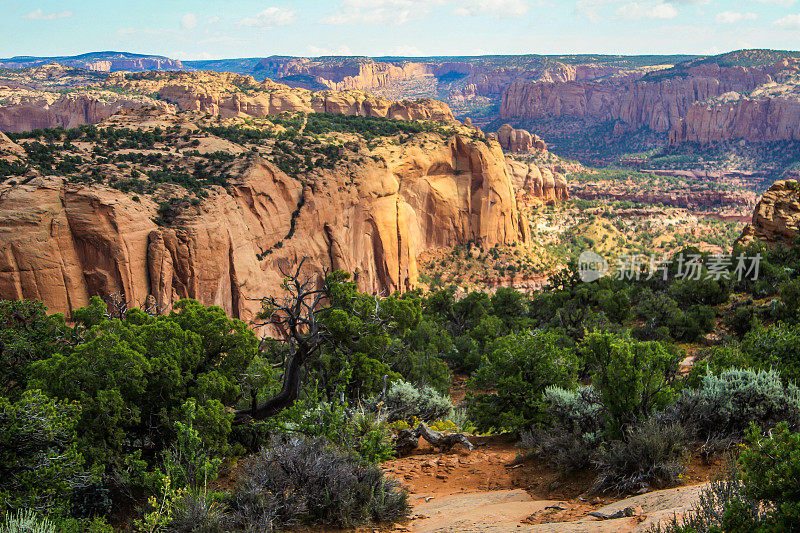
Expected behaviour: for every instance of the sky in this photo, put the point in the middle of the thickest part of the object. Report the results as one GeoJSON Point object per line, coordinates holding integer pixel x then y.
{"type": "Point", "coordinates": [201, 29]}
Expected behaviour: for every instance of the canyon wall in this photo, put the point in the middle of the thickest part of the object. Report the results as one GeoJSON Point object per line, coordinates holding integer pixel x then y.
{"type": "Point", "coordinates": [99, 62]}
{"type": "Point", "coordinates": [764, 119]}
{"type": "Point", "coordinates": [519, 141]}
{"type": "Point", "coordinates": [657, 102]}
{"type": "Point", "coordinates": [701, 103]}
{"type": "Point", "coordinates": [227, 95]}
{"type": "Point", "coordinates": [24, 110]}
{"type": "Point", "coordinates": [62, 242]}
{"type": "Point", "coordinates": [536, 185]}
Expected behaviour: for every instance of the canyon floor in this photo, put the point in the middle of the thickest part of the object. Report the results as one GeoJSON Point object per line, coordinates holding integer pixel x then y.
{"type": "Point", "coordinates": [494, 489]}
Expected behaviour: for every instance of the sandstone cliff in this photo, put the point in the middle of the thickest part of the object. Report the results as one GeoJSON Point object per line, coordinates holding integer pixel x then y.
{"type": "Point", "coordinates": [702, 102]}
{"type": "Point", "coordinates": [99, 61]}
{"type": "Point", "coordinates": [657, 101]}
{"type": "Point", "coordinates": [23, 108]}
{"type": "Point", "coordinates": [519, 141]}
{"type": "Point", "coordinates": [536, 185]}
{"type": "Point", "coordinates": [63, 241]}
{"type": "Point", "coordinates": [770, 113]}
{"type": "Point", "coordinates": [776, 218]}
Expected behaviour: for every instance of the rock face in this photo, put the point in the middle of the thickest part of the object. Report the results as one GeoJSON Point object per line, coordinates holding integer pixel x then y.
{"type": "Point", "coordinates": [62, 243]}
{"type": "Point", "coordinates": [360, 74]}
{"type": "Point", "coordinates": [536, 185]}
{"type": "Point", "coordinates": [657, 102]}
{"type": "Point", "coordinates": [9, 149]}
{"type": "Point", "coordinates": [24, 110]}
{"type": "Point", "coordinates": [519, 141]}
{"type": "Point", "coordinates": [227, 95]}
{"type": "Point", "coordinates": [99, 62]}
{"type": "Point", "coordinates": [690, 198]}
{"type": "Point", "coordinates": [763, 119]}
{"type": "Point", "coordinates": [220, 94]}
{"type": "Point", "coordinates": [776, 218]}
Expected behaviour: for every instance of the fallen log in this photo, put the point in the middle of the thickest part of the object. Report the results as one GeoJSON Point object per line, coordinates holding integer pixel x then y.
{"type": "Point", "coordinates": [408, 440]}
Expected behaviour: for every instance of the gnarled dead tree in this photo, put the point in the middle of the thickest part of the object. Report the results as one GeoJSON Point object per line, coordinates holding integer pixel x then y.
{"type": "Point", "coordinates": [295, 315]}
{"type": "Point", "coordinates": [408, 440]}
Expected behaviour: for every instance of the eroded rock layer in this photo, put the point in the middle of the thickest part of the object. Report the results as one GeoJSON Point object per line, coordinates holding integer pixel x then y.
{"type": "Point", "coordinates": [62, 242]}
{"type": "Point", "coordinates": [27, 104]}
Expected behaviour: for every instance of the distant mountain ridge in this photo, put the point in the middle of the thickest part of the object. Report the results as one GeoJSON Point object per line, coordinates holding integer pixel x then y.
{"type": "Point", "coordinates": [594, 107]}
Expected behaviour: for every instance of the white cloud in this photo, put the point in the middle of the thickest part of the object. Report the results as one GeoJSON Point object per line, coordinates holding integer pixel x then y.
{"type": "Point", "coordinates": [731, 17]}
{"type": "Point", "coordinates": [785, 3]}
{"type": "Point", "coordinates": [495, 8]}
{"type": "Point", "coordinates": [189, 21]}
{"type": "Point", "coordinates": [316, 51]}
{"type": "Point", "coordinates": [39, 14]}
{"type": "Point", "coordinates": [407, 50]}
{"type": "Point", "coordinates": [270, 18]}
{"type": "Point", "coordinates": [184, 56]}
{"type": "Point", "coordinates": [590, 9]}
{"type": "Point", "coordinates": [395, 12]}
{"type": "Point", "coordinates": [651, 10]}
{"type": "Point", "coordinates": [789, 22]}
{"type": "Point", "coordinates": [131, 32]}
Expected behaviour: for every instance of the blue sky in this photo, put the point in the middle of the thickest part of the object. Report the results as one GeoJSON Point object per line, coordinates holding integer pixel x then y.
{"type": "Point", "coordinates": [200, 29]}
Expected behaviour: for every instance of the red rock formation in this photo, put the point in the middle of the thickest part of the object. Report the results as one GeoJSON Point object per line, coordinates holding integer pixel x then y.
{"type": "Point", "coordinates": [776, 218]}
{"type": "Point", "coordinates": [536, 185]}
{"type": "Point", "coordinates": [26, 110]}
{"type": "Point", "coordinates": [229, 95]}
{"type": "Point", "coordinates": [62, 243]}
{"type": "Point", "coordinates": [761, 119]}
{"type": "Point", "coordinates": [658, 101]}
{"type": "Point", "coordinates": [519, 141]}
{"type": "Point", "coordinates": [690, 198]}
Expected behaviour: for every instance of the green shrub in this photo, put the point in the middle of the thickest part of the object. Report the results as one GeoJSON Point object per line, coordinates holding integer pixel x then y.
{"type": "Point", "coordinates": [770, 474]}
{"type": "Point", "coordinates": [40, 461]}
{"type": "Point", "coordinates": [725, 404]}
{"type": "Point", "coordinates": [465, 355]}
{"type": "Point", "coordinates": [356, 430]}
{"type": "Point", "coordinates": [133, 377]}
{"type": "Point", "coordinates": [407, 402]}
{"type": "Point", "coordinates": [199, 512]}
{"type": "Point", "coordinates": [26, 521]}
{"type": "Point", "coordinates": [774, 347]}
{"type": "Point", "coordinates": [650, 455]}
{"type": "Point", "coordinates": [574, 431]}
{"type": "Point", "coordinates": [27, 335]}
{"type": "Point", "coordinates": [308, 481]}
{"type": "Point", "coordinates": [518, 368]}
{"type": "Point", "coordinates": [633, 378]}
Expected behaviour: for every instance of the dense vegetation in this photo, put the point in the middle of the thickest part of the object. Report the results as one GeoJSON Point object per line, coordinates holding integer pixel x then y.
{"type": "Point", "coordinates": [131, 417]}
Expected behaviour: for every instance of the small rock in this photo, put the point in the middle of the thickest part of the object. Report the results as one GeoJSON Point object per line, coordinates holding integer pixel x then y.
{"type": "Point", "coordinates": [557, 507]}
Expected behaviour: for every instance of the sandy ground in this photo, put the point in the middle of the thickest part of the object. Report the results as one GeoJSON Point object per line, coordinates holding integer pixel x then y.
{"type": "Point", "coordinates": [492, 490]}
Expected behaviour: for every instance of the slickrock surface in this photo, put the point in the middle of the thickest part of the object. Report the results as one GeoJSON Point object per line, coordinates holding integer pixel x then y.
{"type": "Point", "coordinates": [511, 510]}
